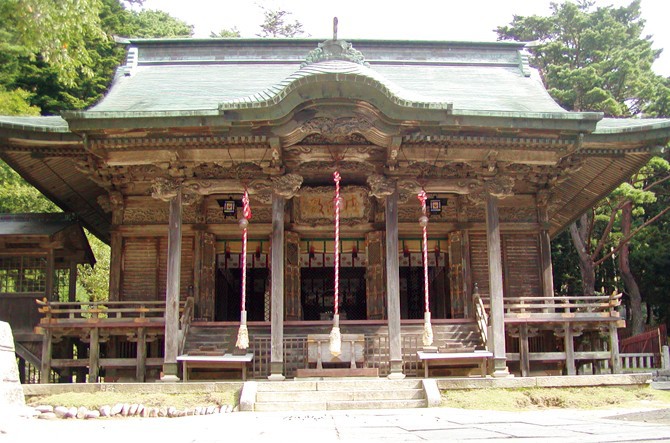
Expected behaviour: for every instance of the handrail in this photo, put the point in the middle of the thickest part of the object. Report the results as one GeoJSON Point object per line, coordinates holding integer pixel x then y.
{"type": "Point", "coordinates": [55, 312]}
{"type": "Point", "coordinates": [481, 317]}
{"type": "Point", "coordinates": [563, 303]}
{"type": "Point", "coordinates": [185, 321]}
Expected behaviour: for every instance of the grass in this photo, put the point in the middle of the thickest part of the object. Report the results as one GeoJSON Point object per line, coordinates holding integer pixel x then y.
{"type": "Point", "coordinates": [544, 398]}
{"type": "Point", "coordinates": [179, 401]}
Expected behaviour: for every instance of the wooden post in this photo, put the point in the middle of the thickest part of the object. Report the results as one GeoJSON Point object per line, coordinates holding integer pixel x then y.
{"type": "Point", "coordinates": [116, 260]}
{"type": "Point", "coordinates": [524, 358]}
{"type": "Point", "coordinates": [393, 287]}
{"type": "Point", "coordinates": [545, 250]}
{"type": "Point", "coordinates": [49, 286]}
{"type": "Point", "coordinates": [140, 374]}
{"type": "Point", "coordinates": [45, 366]}
{"type": "Point", "coordinates": [93, 355]}
{"type": "Point", "coordinates": [496, 287]}
{"type": "Point", "coordinates": [72, 289]}
{"type": "Point", "coordinates": [615, 360]}
{"type": "Point", "coordinates": [569, 350]}
{"type": "Point", "coordinates": [277, 290]}
{"type": "Point", "coordinates": [170, 367]}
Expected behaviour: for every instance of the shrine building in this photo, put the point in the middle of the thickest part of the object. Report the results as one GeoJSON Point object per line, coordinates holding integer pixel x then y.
{"type": "Point", "coordinates": [159, 168]}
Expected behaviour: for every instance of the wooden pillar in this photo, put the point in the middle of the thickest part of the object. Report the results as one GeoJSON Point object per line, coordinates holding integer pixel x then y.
{"type": "Point", "coordinates": [524, 357]}
{"type": "Point", "coordinates": [170, 368]}
{"type": "Point", "coordinates": [393, 287]}
{"type": "Point", "coordinates": [140, 373]}
{"type": "Point", "coordinates": [116, 261]}
{"type": "Point", "coordinates": [545, 250]}
{"type": "Point", "coordinates": [277, 290]}
{"type": "Point", "coordinates": [49, 286]}
{"type": "Point", "coordinates": [72, 289]}
{"type": "Point", "coordinates": [569, 350]}
{"type": "Point", "coordinates": [45, 366]}
{"type": "Point", "coordinates": [497, 315]}
{"type": "Point", "coordinates": [615, 360]}
{"type": "Point", "coordinates": [93, 355]}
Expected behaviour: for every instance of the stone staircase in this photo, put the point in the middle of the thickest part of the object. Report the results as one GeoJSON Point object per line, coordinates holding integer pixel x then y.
{"type": "Point", "coordinates": [321, 395]}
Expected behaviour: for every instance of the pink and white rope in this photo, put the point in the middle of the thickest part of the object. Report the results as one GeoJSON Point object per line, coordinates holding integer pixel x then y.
{"type": "Point", "coordinates": [246, 213]}
{"type": "Point", "coordinates": [422, 198]}
{"type": "Point", "coordinates": [337, 178]}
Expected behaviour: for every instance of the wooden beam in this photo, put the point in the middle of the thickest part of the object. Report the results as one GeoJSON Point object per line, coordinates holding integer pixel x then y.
{"type": "Point", "coordinates": [140, 372]}
{"type": "Point", "coordinates": [45, 366]}
{"type": "Point", "coordinates": [545, 252]}
{"type": "Point", "coordinates": [49, 287]}
{"type": "Point", "coordinates": [615, 361]}
{"type": "Point", "coordinates": [393, 286]}
{"type": "Point", "coordinates": [72, 289]}
{"type": "Point", "coordinates": [524, 361]}
{"type": "Point", "coordinates": [569, 350]}
{"type": "Point", "coordinates": [170, 366]}
{"type": "Point", "coordinates": [497, 316]}
{"type": "Point", "coordinates": [277, 290]}
{"type": "Point", "coordinates": [93, 355]}
{"type": "Point", "coordinates": [116, 261]}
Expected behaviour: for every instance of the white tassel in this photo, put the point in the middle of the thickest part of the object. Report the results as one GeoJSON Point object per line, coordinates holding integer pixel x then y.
{"type": "Point", "coordinates": [427, 330]}
{"type": "Point", "coordinates": [335, 337]}
{"type": "Point", "coordinates": [243, 333]}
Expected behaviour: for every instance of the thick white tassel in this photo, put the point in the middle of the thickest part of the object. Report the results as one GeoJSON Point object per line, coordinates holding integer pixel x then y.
{"type": "Point", "coordinates": [243, 333]}
{"type": "Point", "coordinates": [335, 337]}
{"type": "Point", "coordinates": [427, 330]}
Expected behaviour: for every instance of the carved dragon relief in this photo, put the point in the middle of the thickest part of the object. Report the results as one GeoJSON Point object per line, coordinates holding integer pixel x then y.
{"type": "Point", "coordinates": [336, 130]}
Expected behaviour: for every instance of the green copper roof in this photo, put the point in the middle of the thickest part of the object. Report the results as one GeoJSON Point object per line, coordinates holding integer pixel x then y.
{"type": "Point", "coordinates": [183, 75]}
{"type": "Point", "coordinates": [36, 124]}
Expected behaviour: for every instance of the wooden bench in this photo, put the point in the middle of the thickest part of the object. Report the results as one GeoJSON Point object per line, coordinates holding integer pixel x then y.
{"type": "Point", "coordinates": [480, 358]}
{"type": "Point", "coordinates": [225, 361]}
{"type": "Point", "coordinates": [344, 365]}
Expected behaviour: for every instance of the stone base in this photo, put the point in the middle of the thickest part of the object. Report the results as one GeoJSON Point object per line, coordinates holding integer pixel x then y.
{"type": "Point", "coordinates": [11, 391]}
{"type": "Point", "coordinates": [276, 371]}
{"type": "Point", "coordinates": [276, 377]}
{"type": "Point", "coordinates": [396, 370]}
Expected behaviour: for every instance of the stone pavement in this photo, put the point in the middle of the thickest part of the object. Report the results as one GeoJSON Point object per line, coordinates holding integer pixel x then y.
{"type": "Point", "coordinates": [440, 424]}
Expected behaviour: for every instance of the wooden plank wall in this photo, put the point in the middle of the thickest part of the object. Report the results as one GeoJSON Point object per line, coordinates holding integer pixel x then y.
{"type": "Point", "coordinates": [144, 268]}
{"type": "Point", "coordinates": [521, 265]}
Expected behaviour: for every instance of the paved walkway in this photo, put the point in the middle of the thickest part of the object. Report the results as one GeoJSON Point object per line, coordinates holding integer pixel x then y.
{"type": "Point", "coordinates": [442, 424]}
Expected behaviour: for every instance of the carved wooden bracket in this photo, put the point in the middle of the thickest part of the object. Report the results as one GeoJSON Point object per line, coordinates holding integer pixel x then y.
{"type": "Point", "coordinates": [381, 186]}
{"type": "Point", "coordinates": [164, 188]}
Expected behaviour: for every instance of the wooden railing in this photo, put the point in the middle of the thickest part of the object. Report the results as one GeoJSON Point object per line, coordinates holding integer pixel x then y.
{"type": "Point", "coordinates": [481, 317]}
{"type": "Point", "coordinates": [562, 307]}
{"type": "Point", "coordinates": [638, 361]}
{"type": "Point", "coordinates": [185, 321]}
{"type": "Point", "coordinates": [57, 313]}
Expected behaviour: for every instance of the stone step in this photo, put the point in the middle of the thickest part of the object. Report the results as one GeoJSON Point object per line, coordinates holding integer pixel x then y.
{"type": "Point", "coordinates": [361, 384]}
{"type": "Point", "coordinates": [328, 396]}
{"type": "Point", "coordinates": [338, 405]}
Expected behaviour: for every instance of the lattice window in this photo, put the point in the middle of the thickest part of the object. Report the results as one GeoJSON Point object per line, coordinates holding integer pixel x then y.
{"type": "Point", "coordinates": [62, 284]}
{"type": "Point", "coordinates": [23, 274]}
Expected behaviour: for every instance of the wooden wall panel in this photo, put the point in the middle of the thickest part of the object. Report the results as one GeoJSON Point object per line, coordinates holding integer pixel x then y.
{"type": "Point", "coordinates": [187, 257]}
{"type": "Point", "coordinates": [479, 259]}
{"type": "Point", "coordinates": [138, 273]}
{"type": "Point", "coordinates": [522, 265]}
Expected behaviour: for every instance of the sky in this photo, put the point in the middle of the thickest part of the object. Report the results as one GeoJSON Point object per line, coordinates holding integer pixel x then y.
{"type": "Point", "coordinates": [467, 20]}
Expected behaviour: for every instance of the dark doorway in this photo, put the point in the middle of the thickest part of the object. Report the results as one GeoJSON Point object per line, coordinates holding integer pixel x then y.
{"type": "Point", "coordinates": [228, 299]}
{"type": "Point", "coordinates": [317, 293]}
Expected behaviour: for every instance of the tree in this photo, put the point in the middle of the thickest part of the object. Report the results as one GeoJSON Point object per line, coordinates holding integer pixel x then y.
{"type": "Point", "coordinates": [275, 24]}
{"type": "Point", "coordinates": [226, 33]}
{"type": "Point", "coordinates": [597, 60]}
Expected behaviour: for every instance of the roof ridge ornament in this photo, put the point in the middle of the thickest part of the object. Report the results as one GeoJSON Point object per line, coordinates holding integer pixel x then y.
{"type": "Point", "coordinates": [335, 50]}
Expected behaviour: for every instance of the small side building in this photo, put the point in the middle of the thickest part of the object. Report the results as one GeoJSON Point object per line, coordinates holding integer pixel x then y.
{"type": "Point", "coordinates": [39, 254]}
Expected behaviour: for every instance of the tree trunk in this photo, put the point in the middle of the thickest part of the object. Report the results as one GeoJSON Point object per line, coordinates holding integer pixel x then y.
{"type": "Point", "coordinates": [633, 290]}
{"type": "Point", "coordinates": [586, 265]}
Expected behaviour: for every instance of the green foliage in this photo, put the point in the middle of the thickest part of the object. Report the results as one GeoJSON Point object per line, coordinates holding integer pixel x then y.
{"type": "Point", "coordinates": [152, 24]}
{"type": "Point", "coordinates": [70, 24]}
{"type": "Point", "coordinates": [17, 196]}
{"type": "Point", "coordinates": [276, 24]}
{"type": "Point", "coordinates": [93, 282]}
{"type": "Point", "coordinates": [593, 59]}
{"type": "Point", "coordinates": [16, 102]}
{"type": "Point", "coordinates": [226, 33]}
